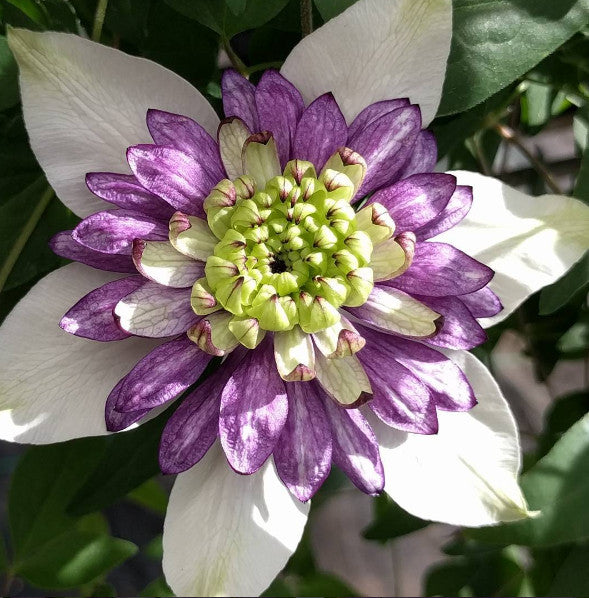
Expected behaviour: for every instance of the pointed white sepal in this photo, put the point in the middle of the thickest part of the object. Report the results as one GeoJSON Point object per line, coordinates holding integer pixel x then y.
{"type": "Point", "coordinates": [530, 242]}
{"type": "Point", "coordinates": [84, 104]}
{"type": "Point", "coordinates": [227, 534]}
{"type": "Point", "coordinates": [466, 474]}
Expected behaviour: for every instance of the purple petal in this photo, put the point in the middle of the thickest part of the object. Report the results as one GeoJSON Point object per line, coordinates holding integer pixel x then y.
{"type": "Point", "coordinates": [460, 330]}
{"type": "Point", "coordinates": [374, 112]}
{"type": "Point", "coordinates": [116, 421]}
{"type": "Point", "coordinates": [239, 99]}
{"type": "Point", "coordinates": [124, 191]}
{"type": "Point", "coordinates": [400, 399]}
{"type": "Point", "coordinates": [254, 408]}
{"type": "Point", "coordinates": [482, 303]}
{"type": "Point", "coordinates": [161, 375]}
{"type": "Point", "coordinates": [386, 145]}
{"type": "Point", "coordinates": [439, 270]}
{"type": "Point", "coordinates": [188, 136]}
{"type": "Point", "coordinates": [355, 448]}
{"type": "Point", "coordinates": [457, 208]}
{"type": "Point", "coordinates": [320, 132]}
{"type": "Point", "coordinates": [175, 176]}
{"type": "Point", "coordinates": [417, 200]}
{"type": "Point", "coordinates": [194, 427]}
{"type": "Point", "coordinates": [64, 245]}
{"type": "Point", "coordinates": [424, 155]}
{"type": "Point", "coordinates": [447, 384]}
{"type": "Point", "coordinates": [280, 106]}
{"type": "Point", "coordinates": [156, 311]}
{"type": "Point", "coordinates": [303, 452]}
{"type": "Point", "coordinates": [92, 317]}
{"type": "Point", "coordinates": [113, 231]}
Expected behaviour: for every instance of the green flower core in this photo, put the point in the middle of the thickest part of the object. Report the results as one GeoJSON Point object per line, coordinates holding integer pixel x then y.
{"type": "Point", "coordinates": [288, 253]}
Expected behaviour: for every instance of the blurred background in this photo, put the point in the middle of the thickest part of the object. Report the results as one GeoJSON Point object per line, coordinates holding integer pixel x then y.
{"type": "Point", "coordinates": [85, 518]}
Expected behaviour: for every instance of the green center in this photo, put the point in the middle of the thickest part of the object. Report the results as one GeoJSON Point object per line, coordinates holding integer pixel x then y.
{"type": "Point", "coordinates": [290, 253]}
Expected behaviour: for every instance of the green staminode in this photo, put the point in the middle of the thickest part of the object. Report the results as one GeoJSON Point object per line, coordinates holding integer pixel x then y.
{"type": "Point", "coordinates": [288, 253]}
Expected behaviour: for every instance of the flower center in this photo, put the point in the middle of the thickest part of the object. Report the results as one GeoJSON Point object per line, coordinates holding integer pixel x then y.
{"type": "Point", "coordinates": [289, 253]}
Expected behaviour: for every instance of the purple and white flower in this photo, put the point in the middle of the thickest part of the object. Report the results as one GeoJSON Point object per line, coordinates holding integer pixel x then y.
{"type": "Point", "coordinates": [307, 243]}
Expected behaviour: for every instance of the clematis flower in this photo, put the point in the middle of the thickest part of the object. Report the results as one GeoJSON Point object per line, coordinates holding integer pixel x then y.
{"type": "Point", "coordinates": [305, 243]}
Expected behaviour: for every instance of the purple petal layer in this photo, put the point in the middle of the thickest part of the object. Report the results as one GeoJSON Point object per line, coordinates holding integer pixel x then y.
{"type": "Point", "coordinates": [188, 136]}
{"type": "Point", "coordinates": [320, 132]}
{"type": "Point", "coordinates": [194, 427]}
{"type": "Point", "coordinates": [303, 452]}
{"type": "Point", "coordinates": [482, 303]}
{"type": "Point", "coordinates": [355, 448]}
{"type": "Point", "coordinates": [173, 175]}
{"type": "Point", "coordinates": [161, 375]}
{"type": "Point", "coordinates": [254, 408]}
{"type": "Point", "coordinates": [156, 311]}
{"type": "Point", "coordinates": [424, 155]}
{"type": "Point", "coordinates": [116, 421]}
{"type": "Point", "coordinates": [417, 200]}
{"type": "Point", "coordinates": [460, 330]}
{"type": "Point", "coordinates": [386, 145]}
{"type": "Point", "coordinates": [124, 191]}
{"type": "Point", "coordinates": [456, 209]}
{"type": "Point", "coordinates": [374, 112]}
{"type": "Point", "coordinates": [92, 317]}
{"type": "Point", "coordinates": [64, 245]}
{"type": "Point", "coordinates": [239, 99]}
{"type": "Point", "coordinates": [400, 399]}
{"type": "Point", "coordinates": [447, 384]}
{"type": "Point", "coordinates": [113, 231]}
{"type": "Point", "coordinates": [439, 270]}
{"type": "Point", "coordinates": [280, 106]}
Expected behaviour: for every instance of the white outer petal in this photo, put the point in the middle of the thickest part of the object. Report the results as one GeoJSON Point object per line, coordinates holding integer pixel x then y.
{"type": "Point", "coordinates": [85, 103]}
{"type": "Point", "coordinates": [530, 242]}
{"type": "Point", "coordinates": [466, 474]}
{"type": "Point", "coordinates": [227, 534]}
{"type": "Point", "coordinates": [53, 386]}
{"type": "Point", "coordinates": [376, 50]}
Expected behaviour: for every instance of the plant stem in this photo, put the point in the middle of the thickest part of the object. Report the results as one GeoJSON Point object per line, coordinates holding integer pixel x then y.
{"type": "Point", "coordinates": [99, 16]}
{"type": "Point", "coordinates": [513, 137]}
{"type": "Point", "coordinates": [236, 61]}
{"type": "Point", "coordinates": [306, 17]}
{"type": "Point", "coordinates": [262, 67]}
{"type": "Point", "coordinates": [22, 239]}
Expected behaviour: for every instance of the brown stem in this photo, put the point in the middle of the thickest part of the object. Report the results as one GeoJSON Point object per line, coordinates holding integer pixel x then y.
{"type": "Point", "coordinates": [306, 17]}
{"type": "Point", "coordinates": [511, 135]}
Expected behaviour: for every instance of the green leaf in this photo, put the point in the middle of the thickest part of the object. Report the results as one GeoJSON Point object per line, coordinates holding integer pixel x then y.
{"type": "Point", "coordinates": [43, 484]}
{"type": "Point", "coordinates": [558, 294]}
{"type": "Point", "coordinates": [180, 44]}
{"type": "Point", "coordinates": [151, 496]}
{"type": "Point", "coordinates": [572, 579]}
{"type": "Point", "coordinates": [216, 16]}
{"type": "Point", "coordinates": [324, 584]}
{"type": "Point", "coordinates": [236, 6]}
{"type": "Point", "coordinates": [564, 412]}
{"type": "Point", "coordinates": [496, 41]}
{"type": "Point", "coordinates": [74, 558]}
{"type": "Point", "coordinates": [484, 574]}
{"type": "Point", "coordinates": [575, 341]}
{"type": "Point", "coordinates": [158, 587]}
{"type": "Point", "coordinates": [154, 549]}
{"type": "Point", "coordinates": [391, 521]}
{"type": "Point", "coordinates": [558, 486]}
{"type": "Point", "coordinates": [27, 222]}
{"type": "Point", "coordinates": [331, 8]}
{"type": "Point", "coordinates": [8, 76]}
{"type": "Point", "coordinates": [128, 460]}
